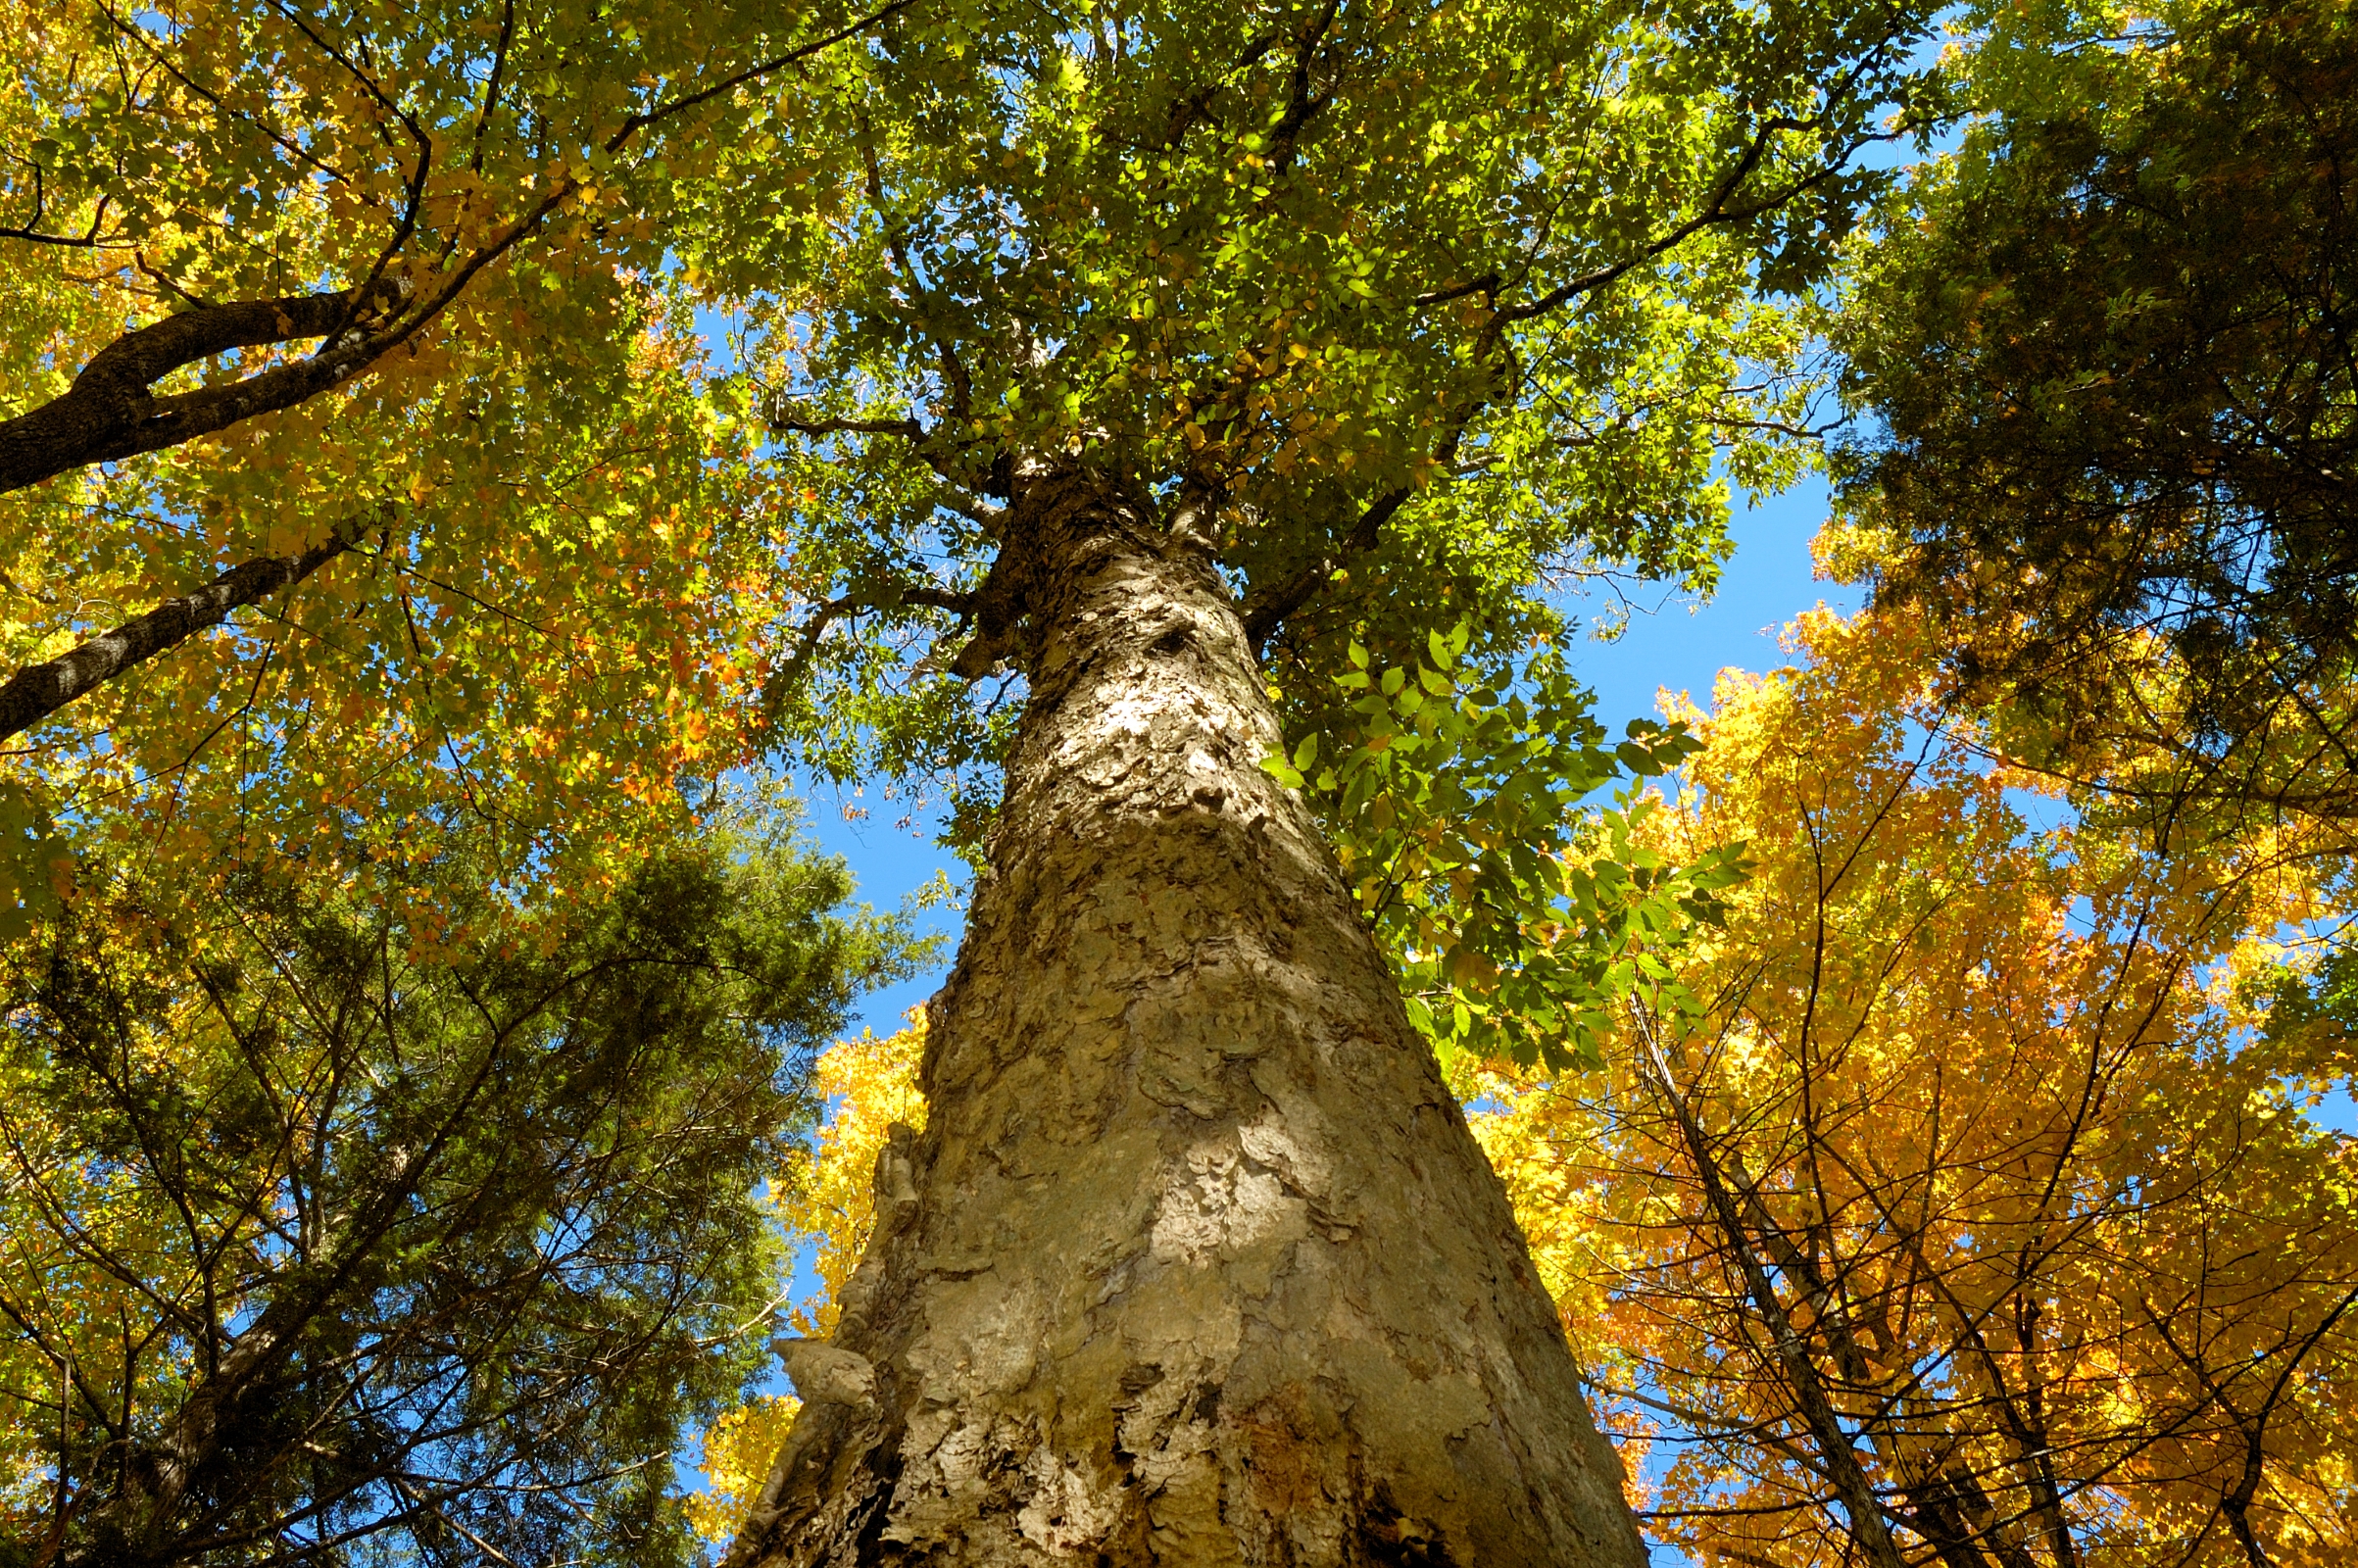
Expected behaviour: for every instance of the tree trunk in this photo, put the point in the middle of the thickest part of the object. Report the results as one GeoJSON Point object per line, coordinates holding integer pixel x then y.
{"type": "Point", "coordinates": [1196, 1261]}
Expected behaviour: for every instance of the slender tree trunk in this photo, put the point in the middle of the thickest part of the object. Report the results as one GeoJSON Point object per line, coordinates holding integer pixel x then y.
{"type": "Point", "coordinates": [1196, 1261]}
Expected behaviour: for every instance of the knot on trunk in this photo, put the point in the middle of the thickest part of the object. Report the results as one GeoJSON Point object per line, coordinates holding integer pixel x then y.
{"type": "Point", "coordinates": [824, 1374]}
{"type": "Point", "coordinates": [895, 1180]}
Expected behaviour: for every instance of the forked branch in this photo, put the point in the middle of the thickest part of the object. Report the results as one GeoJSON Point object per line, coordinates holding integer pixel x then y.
{"type": "Point", "coordinates": [110, 413]}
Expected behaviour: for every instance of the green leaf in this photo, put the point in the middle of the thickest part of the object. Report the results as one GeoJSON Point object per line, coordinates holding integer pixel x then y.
{"type": "Point", "coordinates": [1282, 770]}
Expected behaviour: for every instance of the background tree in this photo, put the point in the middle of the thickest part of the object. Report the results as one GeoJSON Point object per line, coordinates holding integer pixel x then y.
{"type": "Point", "coordinates": [535, 580]}
{"type": "Point", "coordinates": [2104, 361]}
{"type": "Point", "coordinates": [1976, 1219]}
{"type": "Point", "coordinates": [825, 1197]}
{"type": "Point", "coordinates": [334, 1232]}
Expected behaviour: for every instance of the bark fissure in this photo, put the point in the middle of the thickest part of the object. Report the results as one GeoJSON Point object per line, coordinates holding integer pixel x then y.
{"type": "Point", "coordinates": [1198, 1262]}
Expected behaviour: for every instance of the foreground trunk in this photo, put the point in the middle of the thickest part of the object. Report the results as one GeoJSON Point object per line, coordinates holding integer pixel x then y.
{"type": "Point", "coordinates": [1196, 1261]}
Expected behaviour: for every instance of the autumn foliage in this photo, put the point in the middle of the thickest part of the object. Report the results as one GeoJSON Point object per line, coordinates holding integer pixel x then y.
{"type": "Point", "coordinates": [825, 1197]}
{"type": "Point", "coordinates": [1916, 1086]}
{"type": "Point", "coordinates": [2005, 1126]}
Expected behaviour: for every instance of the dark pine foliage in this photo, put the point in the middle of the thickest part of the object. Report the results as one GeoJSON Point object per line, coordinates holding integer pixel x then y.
{"type": "Point", "coordinates": [2110, 368]}
{"type": "Point", "coordinates": [353, 1245]}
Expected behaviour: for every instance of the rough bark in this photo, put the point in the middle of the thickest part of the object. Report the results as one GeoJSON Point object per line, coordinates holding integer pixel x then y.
{"type": "Point", "coordinates": [1196, 1261]}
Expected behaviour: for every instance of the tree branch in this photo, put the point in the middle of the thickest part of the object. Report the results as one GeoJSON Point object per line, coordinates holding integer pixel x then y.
{"type": "Point", "coordinates": [108, 414]}
{"type": "Point", "coordinates": [1868, 1526]}
{"type": "Point", "coordinates": [1266, 612]}
{"type": "Point", "coordinates": [892, 596]}
{"type": "Point", "coordinates": [1715, 210]}
{"type": "Point", "coordinates": [30, 231]}
{"type": "Point", "coordinates": [1303, 102]}
{"type": "Point", "coordinates": [1269, 609]}
{"type": "Point", "coordinates": [108, 411]}
{"type": "Point", "coordinates": [37, 691]}
{"type": "Point", "coordinates": [955, 379]}
{"type": "Point", "coordinates": [794, 56]}
{"type": "Point", "coordinates": [782, 423]}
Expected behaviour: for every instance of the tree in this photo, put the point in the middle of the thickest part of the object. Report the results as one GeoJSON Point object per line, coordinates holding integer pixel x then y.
{"type": "Point", "coordinates": [2103, 354]}
{"type": "Point", "coordinates": [1108, 352]}
{"type": "Point", "coordinates": [529, 588]}
{"type": "Point", "coordinates": [1974, 1217]}
{"type": "Point", "coordinates": [1143, 342]}
{"type": "Point", "coordinates": [337, 1232]}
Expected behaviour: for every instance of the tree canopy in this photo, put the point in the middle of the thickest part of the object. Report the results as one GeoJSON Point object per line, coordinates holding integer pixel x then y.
{"type": "Point", "coordinates": [2105, 362]}
{"type": "Point", "coordinates": [532, 576]}
{"type": "Point", "coordinates": [334, 1237]}
{"type": "Point", "coordinates": [449, 454]}
{"type": "Point", "coordinates": [1416, 313]}
{"type": "Point", "coordinates": [1409, 309]}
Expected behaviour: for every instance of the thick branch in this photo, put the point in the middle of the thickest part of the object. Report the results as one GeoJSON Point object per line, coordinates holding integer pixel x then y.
{"type": "Point", "coordinates": [1301, 101]}
{"type": "Point", "coordinates": [1191, 109]}
{"type": "Point", "coordinates": [108, 413]}
{"type": "Point", "coordinates": [1486, 284]}
{"type": "Point", "coordinates": [783, 423]}
{"type": "Point", "coordinates": [40, 690]}
{"type": "Point", "coordinates": [1266, 610]}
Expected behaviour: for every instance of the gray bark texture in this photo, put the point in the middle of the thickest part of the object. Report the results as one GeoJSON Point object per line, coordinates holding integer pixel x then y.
{"type": "Point", "coordinates": [1196, 1261]}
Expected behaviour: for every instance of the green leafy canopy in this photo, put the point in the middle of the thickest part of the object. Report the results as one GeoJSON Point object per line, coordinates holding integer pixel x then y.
{"type": "Point", "coordinates": [1414, 312]}
{"type": "Point", "coordinates": [1517, 923]}
{"type": "Point", "coordinates": [1417, 309]}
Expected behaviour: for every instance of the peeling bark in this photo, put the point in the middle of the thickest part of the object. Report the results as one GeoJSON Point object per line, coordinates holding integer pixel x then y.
{"type": "Point", "coordinates": [1196, 1261]}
